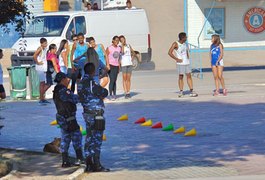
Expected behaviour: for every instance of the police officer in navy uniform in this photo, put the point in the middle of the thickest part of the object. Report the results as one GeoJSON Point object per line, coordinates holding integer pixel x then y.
{"type": "Point", "coordinates": [91, 97]}
{"type": "Point", "coordinates": [65, 102]}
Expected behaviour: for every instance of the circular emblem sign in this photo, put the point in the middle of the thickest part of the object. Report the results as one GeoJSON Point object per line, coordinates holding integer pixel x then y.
{"type": "Point", "coordinates": [254, 20]}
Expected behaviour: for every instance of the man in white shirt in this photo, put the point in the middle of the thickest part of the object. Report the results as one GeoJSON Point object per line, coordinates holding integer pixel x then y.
{"type": "Point", "coordinates": [129, 5]}
{"type": "Point", "coordinates": [179, 52]}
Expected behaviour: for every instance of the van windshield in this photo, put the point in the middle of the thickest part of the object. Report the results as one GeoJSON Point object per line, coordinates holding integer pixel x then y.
{"type": "Point", "coordinates": [45, 26]}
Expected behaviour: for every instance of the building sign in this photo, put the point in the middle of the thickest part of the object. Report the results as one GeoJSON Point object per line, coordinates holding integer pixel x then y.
{"type": "Point", "coordinates": [254, 20]}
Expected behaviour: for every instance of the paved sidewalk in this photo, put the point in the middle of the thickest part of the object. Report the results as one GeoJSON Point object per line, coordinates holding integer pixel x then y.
{"type": "Point", "coordinates": [34, 165]}
{"type": "Point", "coordinates": [230, 140]}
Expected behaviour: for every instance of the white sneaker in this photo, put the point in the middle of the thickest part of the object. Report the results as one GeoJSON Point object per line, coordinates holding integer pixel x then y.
{"type": "Point", "coordinates": [181, 94]}
{"type": "Point", "coordinates": [193, 94]}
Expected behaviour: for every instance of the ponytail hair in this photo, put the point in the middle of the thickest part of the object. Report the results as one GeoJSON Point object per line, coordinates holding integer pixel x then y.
{"type": "Point", "coordinates": [51, 46]}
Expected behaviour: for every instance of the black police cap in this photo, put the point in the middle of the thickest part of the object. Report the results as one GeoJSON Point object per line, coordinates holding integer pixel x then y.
{"type": "Point", "coordinates": [59, 77]}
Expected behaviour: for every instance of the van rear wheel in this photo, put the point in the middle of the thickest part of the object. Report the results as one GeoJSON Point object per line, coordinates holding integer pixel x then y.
{"type": "Point", "coordinates": [135, 63]}
{"type": "Point", "coordinates": [136, 60]}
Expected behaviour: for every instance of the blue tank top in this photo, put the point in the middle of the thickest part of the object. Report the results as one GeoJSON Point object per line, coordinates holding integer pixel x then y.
{"type": "Point", "coordinates": [215, 53]}
{"type": "Point", "coordinates": [79, 51]}
{"type": "Point", "coordinates": [100, 53]}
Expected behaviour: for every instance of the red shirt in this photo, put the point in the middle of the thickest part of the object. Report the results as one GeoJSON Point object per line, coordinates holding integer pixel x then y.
{"type": "Point", "coordinates": [49, 58]}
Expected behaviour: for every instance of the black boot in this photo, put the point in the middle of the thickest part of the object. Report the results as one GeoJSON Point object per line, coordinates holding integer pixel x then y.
{"type": "Point", "coordinates": [98, 167]}
{"type": "Point", "coordinates": [79, 157]}
{"type": "Point", "coordinates": [65, 159]}
{"type": "Point", "coordinates": [89, 164]}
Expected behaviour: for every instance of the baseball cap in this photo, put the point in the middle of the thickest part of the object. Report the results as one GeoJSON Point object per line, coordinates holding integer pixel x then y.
{"type": "Point", "coordinates": [59, 77]}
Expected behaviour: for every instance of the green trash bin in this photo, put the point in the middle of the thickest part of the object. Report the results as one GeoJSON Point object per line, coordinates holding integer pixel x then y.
{"type": "Point", "coordinates": [34, 83]}
{"type": "Point", "coordinates": [18, 82]}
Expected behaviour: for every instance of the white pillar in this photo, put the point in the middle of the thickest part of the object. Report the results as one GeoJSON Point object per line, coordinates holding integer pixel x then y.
{"type": "Point", "coordinates": [102, 5]}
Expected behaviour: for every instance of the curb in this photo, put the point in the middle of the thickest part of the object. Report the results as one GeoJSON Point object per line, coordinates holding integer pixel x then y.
{"type": "Point", "coordinates": [77, 173]}
{"type": "Point", "coordinates": [12, 172]}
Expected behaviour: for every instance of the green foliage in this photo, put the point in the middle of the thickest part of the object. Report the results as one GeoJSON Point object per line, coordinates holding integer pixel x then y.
{"type": "Point", "coordinates": [14, 12]}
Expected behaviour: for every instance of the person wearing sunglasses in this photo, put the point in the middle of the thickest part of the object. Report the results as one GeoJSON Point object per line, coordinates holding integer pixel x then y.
{"type": "Point", "coordinates": [71, 69]}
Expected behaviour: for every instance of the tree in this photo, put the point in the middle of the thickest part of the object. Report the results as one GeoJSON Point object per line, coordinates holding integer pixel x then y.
{"type": "Point", "coordinates": [15, 12]}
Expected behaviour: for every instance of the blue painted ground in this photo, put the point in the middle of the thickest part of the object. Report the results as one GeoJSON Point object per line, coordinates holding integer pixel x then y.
{"type": "Point", "coordinates": [228, 127]}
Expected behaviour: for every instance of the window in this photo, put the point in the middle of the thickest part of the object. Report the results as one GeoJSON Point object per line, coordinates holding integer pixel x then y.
{"type": "Point", "coordinates": [77, 25]}
{"type": "Point", "coordinates": [80, 25]}
{"type": "Point", "coordinates": [70, 30]}
{"type": "Point", "coordinates": [44, 26]}
{"type": "Point", "coordinates": [215, 23]}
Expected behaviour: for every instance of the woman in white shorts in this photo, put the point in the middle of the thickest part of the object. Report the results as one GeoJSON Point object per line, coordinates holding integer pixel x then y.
{"type": "Point", "coordinates": [41, 67]}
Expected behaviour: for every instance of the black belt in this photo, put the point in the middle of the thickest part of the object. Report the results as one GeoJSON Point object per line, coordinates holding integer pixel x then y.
{"type": "Point", "coordinates": [68, 118]}
{"type": "Point", "coordinates": [95, 112]}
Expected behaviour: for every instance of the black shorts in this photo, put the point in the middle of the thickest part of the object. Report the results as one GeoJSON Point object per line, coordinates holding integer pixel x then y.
{"type": "Point", "coordinates": [79, 73]}
{"type": "Point", "coordinates": [2, 89]}
{"type": "Point", "coordinates": [49, 80]}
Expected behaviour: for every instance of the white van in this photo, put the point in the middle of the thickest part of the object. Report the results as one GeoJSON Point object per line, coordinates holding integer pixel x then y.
{"type": "Point", "coordinates": [102, 25]}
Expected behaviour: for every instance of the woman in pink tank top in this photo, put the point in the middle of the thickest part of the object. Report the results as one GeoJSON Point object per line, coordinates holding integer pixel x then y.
{"type": "Point", "coordinates": [53, 64]}
{"type": "Point", "coordinates": [114, 54]}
